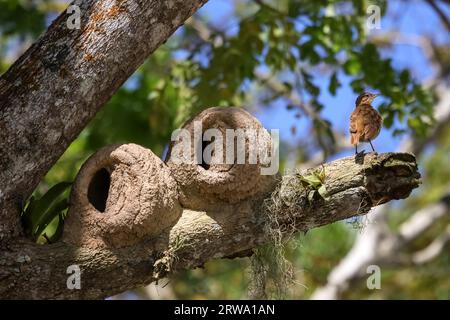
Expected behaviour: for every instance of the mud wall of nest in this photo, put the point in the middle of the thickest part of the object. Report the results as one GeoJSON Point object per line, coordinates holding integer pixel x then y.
{"type": "Point", "coordinates": [125, 194]}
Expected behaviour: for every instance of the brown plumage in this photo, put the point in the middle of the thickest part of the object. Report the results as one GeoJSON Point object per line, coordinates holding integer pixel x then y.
{"type": "Point", "coordinates": [365, 121]}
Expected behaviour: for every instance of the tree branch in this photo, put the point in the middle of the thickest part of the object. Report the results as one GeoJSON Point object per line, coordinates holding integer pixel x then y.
{"type": "Point", "coordinates": [440, 13]}
{"type": "Point", "coordinates": [49, 95]}
{"type": "Point", "coordinates": [354, 185]}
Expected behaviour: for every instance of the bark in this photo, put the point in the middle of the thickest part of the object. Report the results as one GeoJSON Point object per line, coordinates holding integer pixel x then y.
{"type": "Point", "coordinates": [32, 271]}
{"type": "Point", "coordinates": [49, 95]}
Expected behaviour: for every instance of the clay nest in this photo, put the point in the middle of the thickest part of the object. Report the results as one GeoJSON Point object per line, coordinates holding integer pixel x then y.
{"type": "Point", "coordinates": [205, 186]}
{"type": "Point", "coordinates": [125, 194]}
{"type": "Point", "coordinates": [122, 195]}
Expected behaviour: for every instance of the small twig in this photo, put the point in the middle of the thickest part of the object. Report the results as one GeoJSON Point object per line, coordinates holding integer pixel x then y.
{"type": "Point", "coordinates": [440, 13]}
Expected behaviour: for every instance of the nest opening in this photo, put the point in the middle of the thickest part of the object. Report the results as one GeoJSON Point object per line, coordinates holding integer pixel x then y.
{"type": "Point", "coordinates": [98, 189]}
{"type": "Point", "coordinates": [202, 145]}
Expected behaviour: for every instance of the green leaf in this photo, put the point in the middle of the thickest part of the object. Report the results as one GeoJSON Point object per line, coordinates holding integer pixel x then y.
{"type": "Point", "coordinates": [36, 212]}
{"type": "Point", "coordinates": [59, 229]}
{"type": "Point", "coordinates": [405, 77]}
{"type": "Point", "coordinates": [334, 84]}
{"type": "Point", "coordinates": [50, 214]}
{"type": "Point", "coordinates": [309, 85]}
{"type": "Point", "coordinates": [357, 85]}
{"type": "Point", "coordinates": [418, 126]}
{"type": "Point", "coordinates": [352, 66]}
{"type": "Point", "coordinates": [311, 180]}
{"type": "Point", "coordinates": [288, 86]}
{"type": "Point", "coordinates": [388, 120]}
{"type": "Point", "coordinates": [321, 174]}
{"type": "Point", "coordinates": [398, 132]}
{"type": "Point", "coordinates": [323, 192]}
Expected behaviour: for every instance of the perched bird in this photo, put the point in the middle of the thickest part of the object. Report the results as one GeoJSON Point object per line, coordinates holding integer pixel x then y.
{"type": "Point", "coordinates": [365, 121]}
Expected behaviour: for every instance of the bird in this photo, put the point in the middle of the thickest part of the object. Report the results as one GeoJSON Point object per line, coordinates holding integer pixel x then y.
{"type": "Point", "coordinates": [365, 121]}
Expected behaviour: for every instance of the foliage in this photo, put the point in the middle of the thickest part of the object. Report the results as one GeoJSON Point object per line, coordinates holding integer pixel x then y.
{"type": "Point", "coordinates": [49, 210]}
{"type": "Point", "coordinates": [314, 184]}
{"type": "Point", "coordinates": [22, 18]}
{"type": "Point", "coordinates": [297, 38]}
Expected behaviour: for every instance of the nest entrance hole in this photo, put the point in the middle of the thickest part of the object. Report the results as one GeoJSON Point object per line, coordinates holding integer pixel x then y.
{"type": "Point", "coordinates": [98, 189]}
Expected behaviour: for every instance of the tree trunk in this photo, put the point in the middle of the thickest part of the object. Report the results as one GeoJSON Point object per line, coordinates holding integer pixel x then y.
{"type": "Point", "coordinates": [49, 95]}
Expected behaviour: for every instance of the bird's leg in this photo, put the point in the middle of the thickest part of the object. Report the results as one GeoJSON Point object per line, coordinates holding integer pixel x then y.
{"type": "Point", "coordinates": [356, 148]}
{"type": "Point", "coordinates": [372, 145]}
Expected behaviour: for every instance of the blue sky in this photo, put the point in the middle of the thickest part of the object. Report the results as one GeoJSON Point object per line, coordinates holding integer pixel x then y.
{"type": "Point", "coordinates": [417, 19]}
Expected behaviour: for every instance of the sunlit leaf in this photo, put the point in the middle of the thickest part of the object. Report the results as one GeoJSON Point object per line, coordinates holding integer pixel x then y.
{"type": "Point", "coordinates": [323, 192]}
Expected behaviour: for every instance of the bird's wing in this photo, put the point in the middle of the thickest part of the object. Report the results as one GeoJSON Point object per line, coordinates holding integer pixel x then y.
{"type": "Point", "coordinates": [373, 124]}
{"type": "Point", "coordinates": [356, 126]}
{"type": "Point", "coordinates": [353, 122]}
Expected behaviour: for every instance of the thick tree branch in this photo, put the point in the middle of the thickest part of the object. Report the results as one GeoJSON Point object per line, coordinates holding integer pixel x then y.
{"type": "Point", "coordinates": [49, 95]}
{"type": "Point", "coordinates": [355, 185]}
